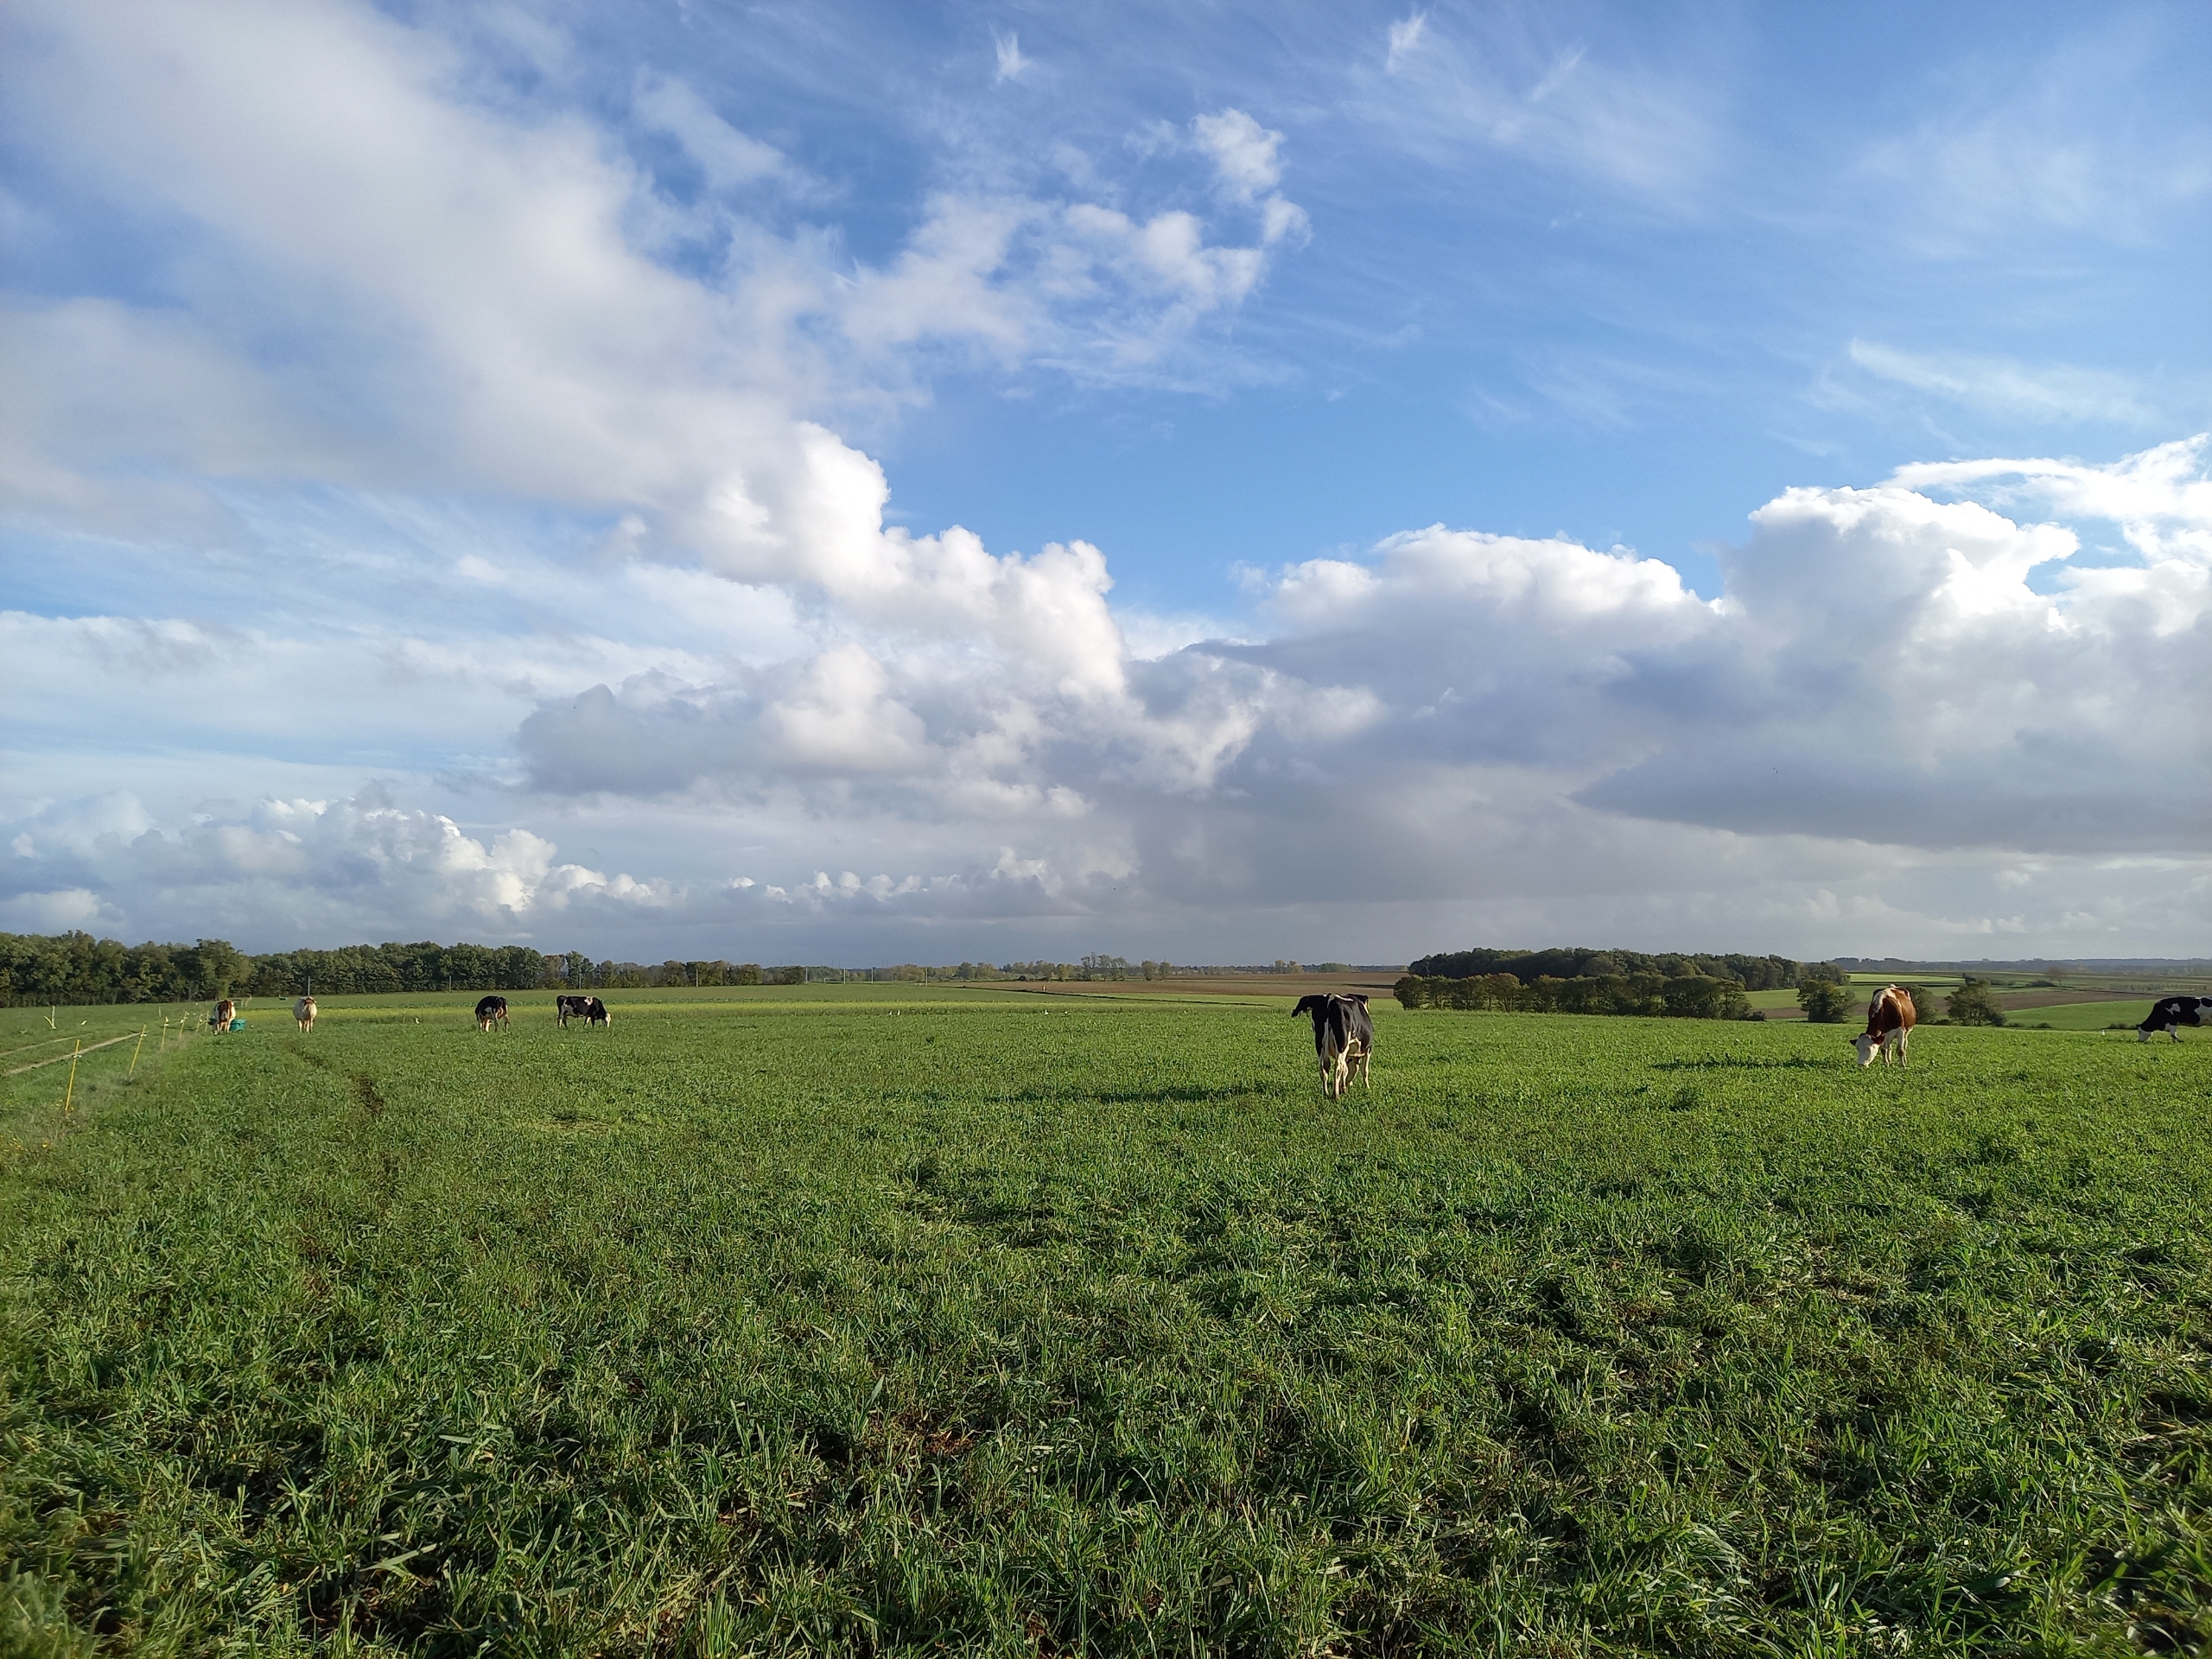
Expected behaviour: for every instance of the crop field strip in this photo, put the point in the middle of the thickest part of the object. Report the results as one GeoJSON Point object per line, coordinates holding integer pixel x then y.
{"type": "Point", "coordinates": [896, 1319]}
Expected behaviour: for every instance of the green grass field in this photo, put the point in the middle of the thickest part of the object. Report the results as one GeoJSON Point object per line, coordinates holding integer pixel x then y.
{"type": "Point", "coordinates": [882, 1320]}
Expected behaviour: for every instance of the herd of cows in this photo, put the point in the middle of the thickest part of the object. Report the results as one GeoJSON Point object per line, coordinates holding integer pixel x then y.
{"type": "Point", "coordinates": [1343, 1034]}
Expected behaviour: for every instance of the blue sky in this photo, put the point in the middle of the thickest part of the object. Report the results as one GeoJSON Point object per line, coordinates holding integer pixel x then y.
{"type": "Point", "coordinates": [1221, 482]}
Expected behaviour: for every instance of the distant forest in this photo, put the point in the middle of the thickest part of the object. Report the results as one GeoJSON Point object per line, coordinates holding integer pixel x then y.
{"type": "Point", "coordinates": [76, 968]}
{"type": "Point", "coordinates": [1570, 962]}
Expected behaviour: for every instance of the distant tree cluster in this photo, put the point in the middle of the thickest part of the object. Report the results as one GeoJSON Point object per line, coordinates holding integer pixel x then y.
{"type": "Point", "coordinates": [1575, 962]}
{"type": "Point", "coordinates": [1972, 1004]}
{"type": "Point", "coordinates": [1826, 1001]}
{"type": "Point", "coordinates": [1685, 996]}
{"type": "Point", "coordinates": [79, 968]}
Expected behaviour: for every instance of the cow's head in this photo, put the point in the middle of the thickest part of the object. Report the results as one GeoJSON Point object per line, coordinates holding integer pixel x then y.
{"type": "Point", "coordinates": [1868, 1045]}
{"type": "Point", "coordinates": [1311, 1004]}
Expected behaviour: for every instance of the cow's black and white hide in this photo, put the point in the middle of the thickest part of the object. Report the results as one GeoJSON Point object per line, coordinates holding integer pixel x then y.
{"type": "Point", "coordinates": [1343, 1038]}
{"type": "Point", "coordinates": [2169, 1013]}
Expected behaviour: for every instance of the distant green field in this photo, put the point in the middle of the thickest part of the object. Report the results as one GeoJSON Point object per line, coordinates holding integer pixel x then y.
{"type": "Point", "coordinates": [893, 1319]}
{"type": "Point", "coordinates": [2087, 1016]}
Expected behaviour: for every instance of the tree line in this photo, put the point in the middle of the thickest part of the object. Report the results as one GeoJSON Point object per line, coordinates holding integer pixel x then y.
{"type": "Point", "coordinates": [1685, 996]}
{"type": "Point", "coordinates": [77, 968]}
{"type": "Point", "coordinates": [1578, 961]}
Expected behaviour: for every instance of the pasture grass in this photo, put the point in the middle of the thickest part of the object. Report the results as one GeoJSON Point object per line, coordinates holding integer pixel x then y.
{"type": "Point", "coordinates": [2085, 1016]}
{"type": "Point", "coordinates": [894, 1320]}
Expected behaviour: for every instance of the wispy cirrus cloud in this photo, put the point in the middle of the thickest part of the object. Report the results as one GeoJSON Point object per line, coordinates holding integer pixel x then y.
{"type": "Point", "coordinates": [1508, 83]}
{"type": "Point", "coordinates": [2053, 394]}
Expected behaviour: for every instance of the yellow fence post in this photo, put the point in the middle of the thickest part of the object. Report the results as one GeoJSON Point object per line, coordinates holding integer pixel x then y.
{"type": "Point", "coordinates": [135, 1047]}
{"type": "Point", "coordinates": [72, 1095]}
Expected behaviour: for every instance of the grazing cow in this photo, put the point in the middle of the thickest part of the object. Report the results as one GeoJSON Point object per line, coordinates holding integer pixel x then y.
{"type": "Point", "coordinates": [491, 1011]}
{"type": "Point", "coordinates": [1343, 1038]}
{"type": "Point", "coordinates": [1889, 1020]}
{"type": "Point", "coordinates": [225, 1011]}
{"type": "Point", "coordinates": [2169, 1013]}
{"type": "Point", "coordinates": [589, 1009]}
{"type": "Point", "coordinates": [303, 1013]}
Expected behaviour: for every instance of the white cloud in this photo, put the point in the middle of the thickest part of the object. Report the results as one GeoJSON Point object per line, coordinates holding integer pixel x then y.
{"type": "Point", "coordinates": [1243, 152]}
{"type": "Point", "coordinates": [673, 621]}
{"type": "Point", "coordinates": [59, 911]}
{"type": "Point", "coordinates": [486, 288]}
{"type": "Point", "coordinates": [1880, 672]}
{"type": "Point", "coordinates": [1504, 82]}
{"type": "Point", "coordinates": [1900, 701]}
{"type": "Point", "coordinates": [2003, 387]}
{"type": "Point", "coordinates": [1404, 39]}
{"type": "Point", "coordinates": [2043, 150]}
{"type": "Point", "coordinates": [729, 159]}
{"type": "Point", "coordinates": [1247, 169]}
{"type": "Point", "coordinates": [1012, 65]}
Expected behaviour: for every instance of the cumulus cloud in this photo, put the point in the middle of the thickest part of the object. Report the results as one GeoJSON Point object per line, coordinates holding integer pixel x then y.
{"type": "Point", "coordinates": [1914, 708]}
{"type": "Point", "coordinates": [322, 867]}
{"type": "Point", "coordinates": [701, 641]}
{"type": "Point", "coordinates": [1884, 669]}
{"type": "Point", "coordinates": [489, 288]}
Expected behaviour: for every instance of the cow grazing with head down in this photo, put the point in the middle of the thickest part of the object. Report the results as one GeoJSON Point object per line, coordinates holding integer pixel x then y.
{"type": "Point", "coordinates": [491, 1011]}
{"type": "Point", "coordinates": [2169, 1013]}
{"type": "Point", "coordinates": [1889, 1020]}
{"type": "Point", "coordinates": [303, 1013]}
{"type": "Point", "coordinates": [589, 1009]}
{"type": "Point", "coordinates": [225, 1011]}
{"type": "Point", "coordinates": [1343, 1038]}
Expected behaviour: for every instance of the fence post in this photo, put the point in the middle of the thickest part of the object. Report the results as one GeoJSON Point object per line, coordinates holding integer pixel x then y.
{"type": "Point", "coordinates": [68, 1099]}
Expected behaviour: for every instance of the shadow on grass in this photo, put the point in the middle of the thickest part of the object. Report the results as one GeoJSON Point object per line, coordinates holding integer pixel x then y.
{"type": "Point", "coordinates": [1738, 1062]}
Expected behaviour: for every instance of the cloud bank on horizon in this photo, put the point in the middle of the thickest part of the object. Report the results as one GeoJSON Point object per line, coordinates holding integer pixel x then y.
{"type": "Point", "coordinates": [451, 489]}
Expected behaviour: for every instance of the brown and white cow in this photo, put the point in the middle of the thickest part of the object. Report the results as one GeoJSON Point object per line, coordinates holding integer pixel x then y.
{"type": "Point", "coordinates": [225, 1011]}
{"type": "Point", "coordinates": [303, 1012]}
{"type": "Point", "coordinates": [1889, 1020]}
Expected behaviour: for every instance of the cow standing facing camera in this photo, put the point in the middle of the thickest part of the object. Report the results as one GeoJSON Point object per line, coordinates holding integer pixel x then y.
{"type": "Point", "coordinates": [303, 1013]}
{"type": "Point", "coordinates": [1343, 1038]}
{"type": "Point", "coordinates": [2169, 1013]}
{"type": "Point", "coordinates": [1889, 1020]}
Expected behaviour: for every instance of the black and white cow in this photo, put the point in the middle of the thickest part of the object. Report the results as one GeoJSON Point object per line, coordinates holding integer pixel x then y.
{"type": "Point", "coordinates": [2168, 1013]}
{"type": "Point", "coordinates": [589, 1009]}
{"type": "Point", "coordinates": [1343, 1038]}
{"type": "Point", "coordinates": [491, 1011]}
